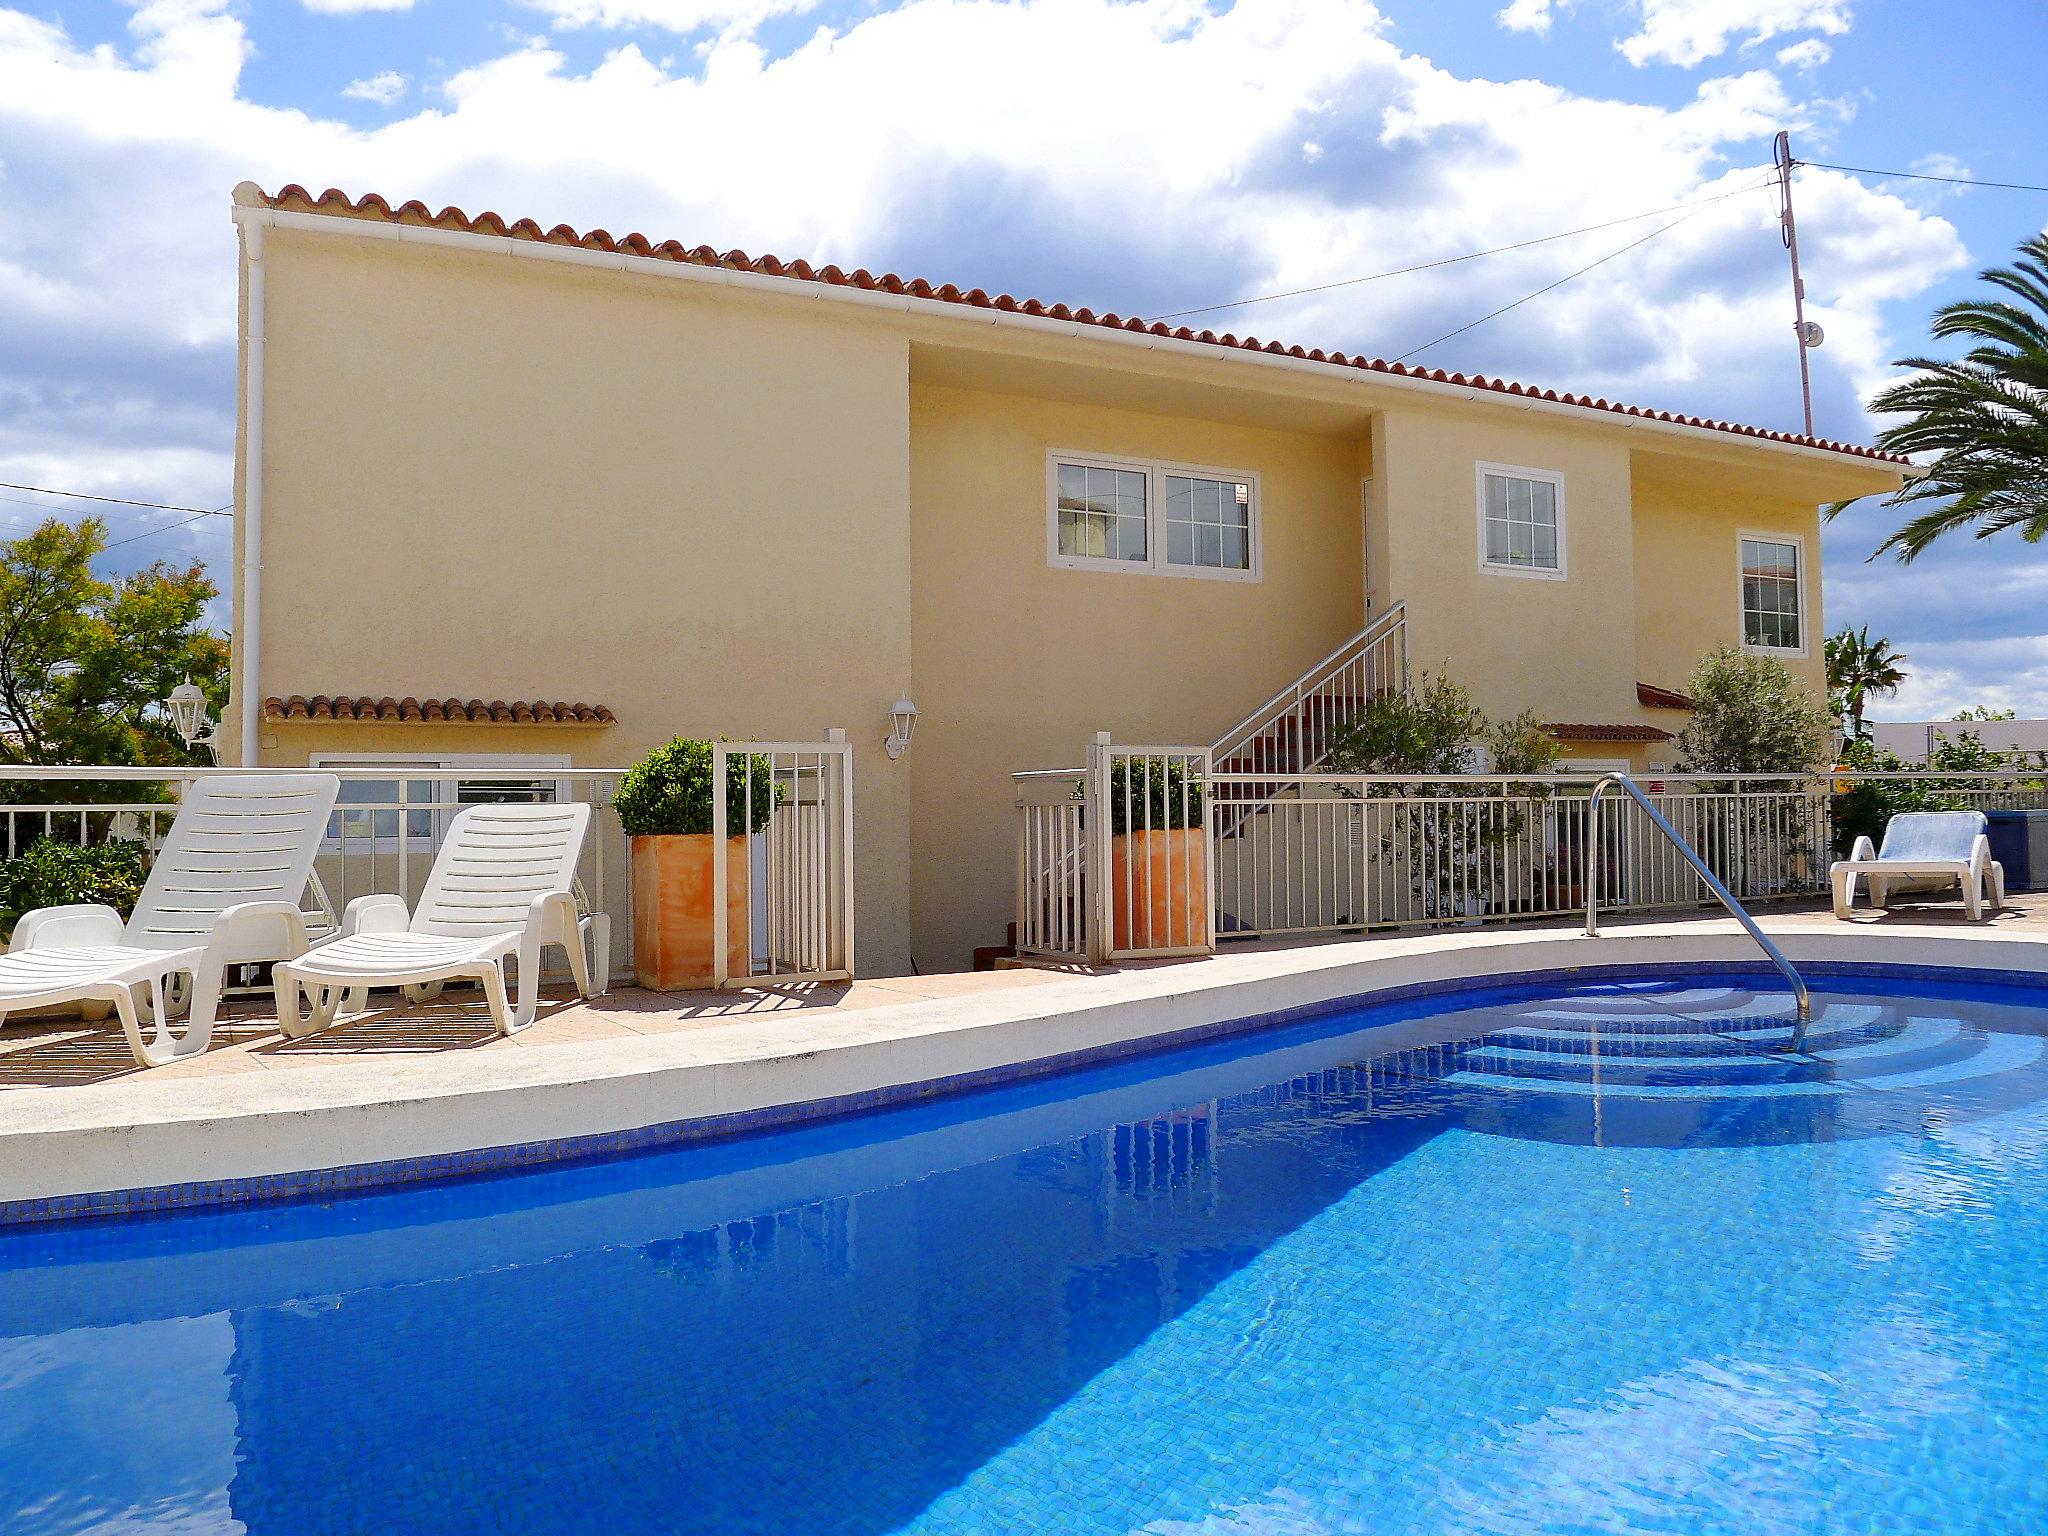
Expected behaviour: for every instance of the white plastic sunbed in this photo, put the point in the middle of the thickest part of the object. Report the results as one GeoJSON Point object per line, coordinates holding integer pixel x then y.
{"type": "Point", "coordinates": [1924, 851]}
{"type": "Point", "coordinates": [502, 886]}
{"type": "Point", "coordinates": [223, 890]}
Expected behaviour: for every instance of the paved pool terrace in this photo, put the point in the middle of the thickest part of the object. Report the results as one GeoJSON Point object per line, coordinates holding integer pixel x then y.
{"type": "Point", "coordinates": [408, 1093]}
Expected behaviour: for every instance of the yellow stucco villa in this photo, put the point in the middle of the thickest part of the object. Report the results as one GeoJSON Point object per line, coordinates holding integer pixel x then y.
{"type": "Point", "coordinates": [511, 495]}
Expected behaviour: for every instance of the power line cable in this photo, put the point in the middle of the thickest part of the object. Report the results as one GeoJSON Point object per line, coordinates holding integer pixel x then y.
{"type": "Point", "coordinates": [118, 501]}
{"type": "Point", "coordinates": [1546, 288]}
{"type": "Point", "coordinates": [1959, 181]}
{"type": "Point", "coordinates": [1451, 261]}
{"type": "Point", "coordinates": [204, 514]}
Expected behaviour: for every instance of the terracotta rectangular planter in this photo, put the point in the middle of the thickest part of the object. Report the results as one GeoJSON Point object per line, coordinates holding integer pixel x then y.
{"type": "Point", "coordinates": [672, 929]}
{"type": "Point", "coordinates": [1174, 912]}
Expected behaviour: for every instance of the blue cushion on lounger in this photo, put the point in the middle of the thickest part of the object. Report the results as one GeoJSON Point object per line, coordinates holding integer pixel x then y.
{"type": "Point", "coordinates": [1915, 835]}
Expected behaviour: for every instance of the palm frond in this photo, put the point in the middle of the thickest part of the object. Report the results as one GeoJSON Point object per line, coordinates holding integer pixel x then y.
{"type": "Point", "coordinates": [1980, 420]}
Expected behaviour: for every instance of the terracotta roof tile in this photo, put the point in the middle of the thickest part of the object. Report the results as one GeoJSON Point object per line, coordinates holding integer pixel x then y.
{"type": "Point", "coordinates": [296, 199]}
{"type": "Point", "coordinates": [1608, 732]}
{"type": "Point", "coordinates": [408, 710]}
{"type": "Point", "coordinates": [1650, 696]}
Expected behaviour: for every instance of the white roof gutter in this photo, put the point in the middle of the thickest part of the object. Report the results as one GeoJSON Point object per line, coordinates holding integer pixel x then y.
{"type": "Point", "coordinates": [940, 309]}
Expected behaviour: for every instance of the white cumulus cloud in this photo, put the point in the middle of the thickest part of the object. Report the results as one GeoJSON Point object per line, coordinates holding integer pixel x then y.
{"type": "Point", "coordinates": [383, 88]}
{"type": "Point", "coordinates": [1689, 32]}
{"type": "Point", "coordinates": [1808, 53]}
{"type": "Point", "coordinates": [1065, 164]}
{"type": "Point", "coordinates": [352, 7]}
{"type": "Point", "coordinates": [1530, 15]}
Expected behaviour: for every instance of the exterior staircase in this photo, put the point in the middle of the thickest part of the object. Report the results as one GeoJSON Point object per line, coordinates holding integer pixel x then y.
{"type": "Point", "coordinates": [1289, 734]}
{"type": "Point", "coordinates": [1292, 731]}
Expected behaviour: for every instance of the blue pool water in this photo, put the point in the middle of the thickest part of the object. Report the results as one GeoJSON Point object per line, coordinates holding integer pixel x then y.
{"type": "Point", "coordinates": [1540, 1259]}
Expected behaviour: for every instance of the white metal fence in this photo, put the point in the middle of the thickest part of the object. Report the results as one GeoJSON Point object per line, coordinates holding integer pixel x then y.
{"type": "Point", "coordinates": [1113, 858]}
{"type": "Point", "coordinates": [1052, 915]}
{"type": "Point", "coordinates": [1283, 854]}
{"type": "Point", "coordinates": [801, 858]}
{"type": "Point", "coordinates": [390, 821]}
{"type": "Point", "coordinates": [1329, 853]}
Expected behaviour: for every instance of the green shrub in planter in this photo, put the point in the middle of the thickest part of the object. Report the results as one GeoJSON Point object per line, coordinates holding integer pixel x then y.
{"type": "Point", "coordinates": [50, 873]}
{"type": "Point", "coordinates": [668, 792]}
{"type": "Point", "coordinates": [1153, 794]}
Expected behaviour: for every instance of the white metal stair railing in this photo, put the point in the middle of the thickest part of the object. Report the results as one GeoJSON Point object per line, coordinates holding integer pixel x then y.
{"type": "Point", "coordinates": [1287, 735]}
{"type": "Point", "coordinates": [1628, 786]}
{"type": "Point", "coordinates": [1291, 732]}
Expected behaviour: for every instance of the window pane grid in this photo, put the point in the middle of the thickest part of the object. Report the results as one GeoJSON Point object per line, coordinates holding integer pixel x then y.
{"type": "Point", "coordinates": [1521, 522]}
{"type": "Point", "coordinates": [1107, 513]}
{"type": "Point", "coordinates": [1102, 512]}
{"type": "Point", "coordinates": [1770, 595]}
{"type": "Point", "coordinates": [1208, 523]}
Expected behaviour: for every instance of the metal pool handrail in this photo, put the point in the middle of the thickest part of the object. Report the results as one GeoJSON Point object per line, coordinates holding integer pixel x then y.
{"type": "Point", "coordinates": [1629, 787]}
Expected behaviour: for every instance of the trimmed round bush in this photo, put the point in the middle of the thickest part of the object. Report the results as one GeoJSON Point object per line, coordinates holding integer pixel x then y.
{"type": "Point", "coordinates": [668, 792]}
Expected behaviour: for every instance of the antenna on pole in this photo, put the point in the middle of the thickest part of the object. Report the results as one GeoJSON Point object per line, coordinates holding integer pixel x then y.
{"type": "Point", "coordinates": [1809, 333]}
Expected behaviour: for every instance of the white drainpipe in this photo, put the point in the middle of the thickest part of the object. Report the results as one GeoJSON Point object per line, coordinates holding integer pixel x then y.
{"type": "Point", "coordinates": [250, 621]}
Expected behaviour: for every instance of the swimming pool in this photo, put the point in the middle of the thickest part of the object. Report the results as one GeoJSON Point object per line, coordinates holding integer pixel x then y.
{"type": "Point", "coordinates": [1538, 1257]}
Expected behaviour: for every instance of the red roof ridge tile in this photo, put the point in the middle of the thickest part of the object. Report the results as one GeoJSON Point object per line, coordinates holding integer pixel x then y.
{"type": "Point", "coordinates": [411, 711]}
{"type": "Point", "coordinates": [294, 198]}
{"type": "Point", "coordinates": [1570, 732]}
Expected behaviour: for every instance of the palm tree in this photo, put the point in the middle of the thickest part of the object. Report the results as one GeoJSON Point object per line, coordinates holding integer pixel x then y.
{"type": "Point", "coordinates": [1861, 669]}
{"type": "Point", "coordinates": [1984, 415]}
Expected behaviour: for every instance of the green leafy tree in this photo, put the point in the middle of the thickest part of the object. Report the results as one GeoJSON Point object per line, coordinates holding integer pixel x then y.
{"type": "Point", "coordinates": [1751, 715]}
{"type": "Point", "coordinates": [1521, 745]}
{"type": "Point", "coordinates": [1431, 729]}
{"type": "Point", "coordinates": [1860, 669]}
{"type": "Point", "coordinates": [85, 663]}
{"type": "Point", "coordinates": [1438, 729]}
{"type": "Point", "coordinates": [1983, 416]}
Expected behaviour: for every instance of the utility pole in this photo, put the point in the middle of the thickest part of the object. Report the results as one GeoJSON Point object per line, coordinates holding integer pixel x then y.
{"type": "Point", "coordinates": [1788, 230]}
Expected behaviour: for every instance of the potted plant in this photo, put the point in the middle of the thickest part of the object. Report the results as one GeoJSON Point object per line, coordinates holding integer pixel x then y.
{"type": "Point", "coordinates": [1158, 855]}
{"type": "Point", "coordinates": [664, 805]}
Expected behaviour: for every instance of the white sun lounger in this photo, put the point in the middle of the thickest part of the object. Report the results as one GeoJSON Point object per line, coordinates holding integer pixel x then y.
{"type": "Point", "coordinates": [1924, 851]}
{"type": "Point", "coordinates": [502, 886]}
{"type": "Point", "coordinates": [223, 890]}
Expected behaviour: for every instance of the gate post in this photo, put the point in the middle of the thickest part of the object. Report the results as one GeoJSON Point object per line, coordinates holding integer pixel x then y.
{"type": "Point", "coordinates": [720, 970]}
{"type": "Point", "coordinates": [1101, 909]}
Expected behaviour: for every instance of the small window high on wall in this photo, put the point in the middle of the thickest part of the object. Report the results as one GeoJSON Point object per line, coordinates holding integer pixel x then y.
{"type": "Point", "coordinates": [1521, 521]}
{"type": "Point", "coordinates": [1773, 606]}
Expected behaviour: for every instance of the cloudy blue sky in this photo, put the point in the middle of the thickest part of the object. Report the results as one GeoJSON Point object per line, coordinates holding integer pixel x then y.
{"type": "Point", "coordinates": [1143, 155]}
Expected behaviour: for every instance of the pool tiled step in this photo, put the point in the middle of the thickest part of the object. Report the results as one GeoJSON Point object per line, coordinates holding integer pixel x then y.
{"type": "Point", "coordinates": [1737, 1058]}
{"type": "Point", "coordinates": [1701, 1039]}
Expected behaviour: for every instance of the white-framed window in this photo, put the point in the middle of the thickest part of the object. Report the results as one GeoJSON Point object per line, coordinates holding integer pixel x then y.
{"type": "Point", "coordinates": [1521, 521]}
{"type": "Point", "coordinates": [367, 812]}
{"type": "Point", "coordinates": [1111, 514]}
{"type": "Point", "coordinates": [1773, 592]}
